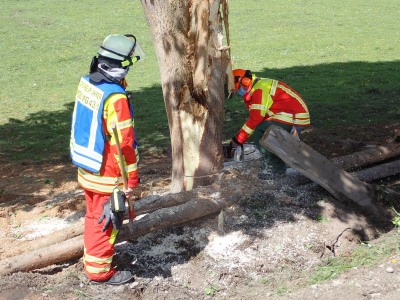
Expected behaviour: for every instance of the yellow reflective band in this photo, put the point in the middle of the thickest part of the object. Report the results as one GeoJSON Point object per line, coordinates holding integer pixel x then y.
{"type": "Point", "coordinates": [113, 236]}
{"type": "Point", "coordinates": [94, 178]}
{"type": "Point", "coordinates": [97, 260]}
{"type": "Point", "coordinates": [273, 87]}
{"type": "Point", "coordinates": [258, 106]}
{"type": "Point", "coordinates": [124, 124]}
{"type": "Point", "coordinates": [302, 116]}
{"type": "Point", "coordinates": [94, 270]}
{"type": "Point", "coordinates": [247, 129]}
{"type": "Point", "coordinates": [131, 168]}
{"type": "Point", "coordinates": [301, 122]}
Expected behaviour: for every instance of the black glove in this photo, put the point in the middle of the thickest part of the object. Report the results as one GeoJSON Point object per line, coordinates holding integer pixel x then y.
{"type": "Point", "coordinates": [234, 143]}
{"type": "Point", "coordinates": [113, 210]}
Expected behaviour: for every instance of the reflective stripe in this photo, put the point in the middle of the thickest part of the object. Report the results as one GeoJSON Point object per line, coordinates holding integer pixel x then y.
{"type": "Point", "coordinates": [94, 259]}
{"type": "Point", "coordinates": [302, 115]}
{"type": "Point", "coordinates": [258, 106]}
{"type": "Point", "coordinates": [294, 95]}
{"type": "Point", "coordinates": [124, 124]}
{"type": "Point", "coordinates": [288, 118]}
{"type": "Point", "coordinates": [273, 87]}
{"type": "Point", "coordinates": [98, 183]}
{"type": "Point", "coordinates": [85, 156]}
{"type": "Point", "coordinates": [95, 270]}
{"type": "Point", "coordinates": [131, 168]}
{"type": "Point", "coordinates": [247, 129]}
{"type": "Point", "coordinates": [113, 236]}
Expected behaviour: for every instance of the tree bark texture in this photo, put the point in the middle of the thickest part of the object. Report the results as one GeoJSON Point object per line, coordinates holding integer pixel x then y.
{"type": "Point", "coordinates": [187, 36]}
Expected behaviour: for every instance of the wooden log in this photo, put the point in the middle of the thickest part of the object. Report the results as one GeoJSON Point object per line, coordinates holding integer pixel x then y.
{"type": "Point", "coordinates": [61, 252]}
{"type": "Point", "coordinates": [367, 157]}
{"type": "Point", "coordinates": [142, 206]}
{"type": "Point", "coordinates": [380, 171]}
{"type": "Point", "coordinates": [316, 167]}
{"type": "Point", "coordinates": [198, 203]}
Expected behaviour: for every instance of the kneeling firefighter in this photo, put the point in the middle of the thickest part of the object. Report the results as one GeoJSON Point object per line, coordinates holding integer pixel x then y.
{"type": "Point", "coordinates": [101, 102]}
{"type": "Point", "coordinates": [270, 102]}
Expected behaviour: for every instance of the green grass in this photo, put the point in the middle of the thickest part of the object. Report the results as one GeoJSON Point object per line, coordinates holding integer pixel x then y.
{"type": "Point", "coordinates": [341, 57]}
{"type": "Point", "coordinates": [365, 255]}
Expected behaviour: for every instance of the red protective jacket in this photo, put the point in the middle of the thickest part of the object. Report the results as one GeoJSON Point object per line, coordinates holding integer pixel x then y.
{"type": "Point", "coordinates": [272, 100]}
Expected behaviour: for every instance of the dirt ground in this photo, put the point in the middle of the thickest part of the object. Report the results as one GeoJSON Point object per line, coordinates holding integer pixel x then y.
{"type": "Point", "coordinates": [271, 241]}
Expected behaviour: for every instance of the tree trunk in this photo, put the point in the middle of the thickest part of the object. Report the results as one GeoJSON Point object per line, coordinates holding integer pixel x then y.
{"type": "Point", "coordinates": [187, 36]}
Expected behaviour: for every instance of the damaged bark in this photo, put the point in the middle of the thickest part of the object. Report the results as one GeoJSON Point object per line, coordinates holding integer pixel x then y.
{"type": "Point", "coordinates": [188, 39]}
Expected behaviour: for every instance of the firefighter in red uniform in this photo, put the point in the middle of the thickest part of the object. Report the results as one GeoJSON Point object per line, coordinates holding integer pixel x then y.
{"type": "Point", "coordinates": [270, 102]}
{"type": "Point", "coordinates": [101, 101]}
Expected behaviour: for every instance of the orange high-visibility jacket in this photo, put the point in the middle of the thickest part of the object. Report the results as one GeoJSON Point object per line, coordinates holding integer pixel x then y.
{"type": "Point", "coordinates": [116, 109]}
{"type": "Point", "coordinates": [272, 100]}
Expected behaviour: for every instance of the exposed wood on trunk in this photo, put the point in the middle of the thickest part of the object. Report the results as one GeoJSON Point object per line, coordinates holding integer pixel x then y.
{"type": "Point", "coordinates": [319, 169]}
{"type": "Point", "coordinates": [187, 36]}
{"type": "Point", "coordinates": [198, 203]}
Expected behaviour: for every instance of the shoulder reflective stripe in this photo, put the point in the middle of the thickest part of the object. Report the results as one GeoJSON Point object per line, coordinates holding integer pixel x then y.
{"type": "Point", "coordinates": [94, 270]}
{"type": "Point", "coordinates": [273, 87]}
{"type": "Point", "coordinates": [115, 97]}
{"type": "Point", "coordinates": [247, 129]}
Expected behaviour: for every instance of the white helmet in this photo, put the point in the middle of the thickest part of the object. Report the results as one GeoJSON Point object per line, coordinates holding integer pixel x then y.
{"type": "Point", "coordinates": [124, 48]}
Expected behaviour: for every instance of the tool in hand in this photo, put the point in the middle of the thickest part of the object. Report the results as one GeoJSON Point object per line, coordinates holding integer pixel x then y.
{"type": "Point", "coordinates": [124, 177]}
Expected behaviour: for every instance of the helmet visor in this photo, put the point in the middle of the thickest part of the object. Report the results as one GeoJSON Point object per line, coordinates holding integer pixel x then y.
{"type": "Point", "coordinates": [138, 51]}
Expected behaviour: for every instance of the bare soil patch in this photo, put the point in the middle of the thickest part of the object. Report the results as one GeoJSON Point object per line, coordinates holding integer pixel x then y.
{"type": "Point", "coordinates": [270, 242]}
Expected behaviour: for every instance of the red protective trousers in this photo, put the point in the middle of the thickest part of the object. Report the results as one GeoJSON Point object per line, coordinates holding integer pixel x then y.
{"type": "Point", "coordinates": [99, 246]}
